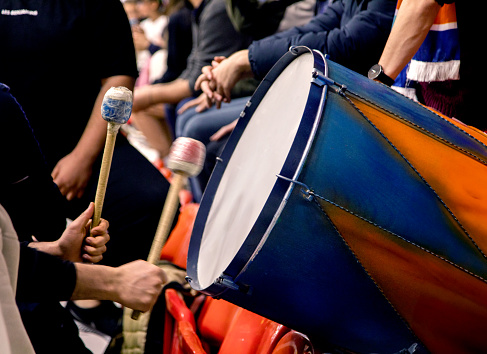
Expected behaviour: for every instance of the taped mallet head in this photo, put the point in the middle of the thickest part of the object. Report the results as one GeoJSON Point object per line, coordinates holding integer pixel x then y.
{"type": "Point", "coordinates": [186, 156]}
{"type": "Point", "coordinates": [117, 105]}
{"type": "Point", "coordinates": [116, 109]}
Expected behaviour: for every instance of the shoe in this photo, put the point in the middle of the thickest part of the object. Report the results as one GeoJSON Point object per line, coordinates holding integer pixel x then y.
{"type": "Point", "coordinates": [105, 318]}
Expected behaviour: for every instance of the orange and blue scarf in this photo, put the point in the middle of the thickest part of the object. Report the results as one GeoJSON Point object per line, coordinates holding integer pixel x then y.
{"type": "Point", "coordinates": [438, 58]}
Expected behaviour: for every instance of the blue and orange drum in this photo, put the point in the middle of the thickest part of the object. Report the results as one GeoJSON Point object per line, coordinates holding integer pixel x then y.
{"type": "Point", "coordinates": [350, 213]}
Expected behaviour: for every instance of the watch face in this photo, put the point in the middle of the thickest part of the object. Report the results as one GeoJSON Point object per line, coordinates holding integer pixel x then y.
{"type": "Point", "coordinates": [374, 71]}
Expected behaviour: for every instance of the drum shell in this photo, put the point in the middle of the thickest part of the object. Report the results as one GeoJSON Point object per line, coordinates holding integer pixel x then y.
{"type": "Point", "coordinates": [306, 275]}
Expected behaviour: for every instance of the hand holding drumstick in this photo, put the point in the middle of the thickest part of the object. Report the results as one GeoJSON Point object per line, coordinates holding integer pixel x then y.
{"type": "Point", "coordinates": [185, 159]}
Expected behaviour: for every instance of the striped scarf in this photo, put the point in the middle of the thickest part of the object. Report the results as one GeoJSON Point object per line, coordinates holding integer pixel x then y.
{"type": "Point", "coordinates": [438, 58]}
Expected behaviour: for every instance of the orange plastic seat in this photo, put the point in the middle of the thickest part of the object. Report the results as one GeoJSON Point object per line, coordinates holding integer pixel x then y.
{"type": "Point", "coordinates": [176, 247]}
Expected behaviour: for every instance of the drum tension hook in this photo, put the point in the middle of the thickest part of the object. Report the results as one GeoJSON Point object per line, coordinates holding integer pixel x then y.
{"type": "Point", "coordinates": [319, 79]}
{"type": "Point", "coordinates": [308, 193]}
{"type": "Point", "coordinates": [229, 283]}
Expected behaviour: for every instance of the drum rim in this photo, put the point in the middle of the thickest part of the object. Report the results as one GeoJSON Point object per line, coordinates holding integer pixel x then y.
{"type": "Point", "coordinates": [282, 189]}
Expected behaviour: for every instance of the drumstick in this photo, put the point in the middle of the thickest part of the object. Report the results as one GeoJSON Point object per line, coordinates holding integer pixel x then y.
{"type": "Point", "coordinates": [185, 159]}
{"type": "Point", "coordinates": [115, 109]}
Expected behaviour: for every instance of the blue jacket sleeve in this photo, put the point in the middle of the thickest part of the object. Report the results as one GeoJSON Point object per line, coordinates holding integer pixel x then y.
{"type": "Point", "coordinates": [352, 33]}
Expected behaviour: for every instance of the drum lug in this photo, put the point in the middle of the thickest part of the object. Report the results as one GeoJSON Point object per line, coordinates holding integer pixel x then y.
{"type": "Point", "coordinates": [321, 80]}
{"type": "Point", "coordinates": [227, 282]}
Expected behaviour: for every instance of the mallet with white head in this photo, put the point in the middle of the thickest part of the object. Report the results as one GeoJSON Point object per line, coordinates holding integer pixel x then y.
{"type": "Point", "coordinates": [115, 109]}
{"type": "Point", "coordinates": [185, 159]}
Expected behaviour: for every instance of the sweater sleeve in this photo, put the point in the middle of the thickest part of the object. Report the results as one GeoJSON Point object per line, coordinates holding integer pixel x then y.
{"type": "Point", "coordinates": [44, 277]}
{"type": "Point", "coordinates": [351, 33]}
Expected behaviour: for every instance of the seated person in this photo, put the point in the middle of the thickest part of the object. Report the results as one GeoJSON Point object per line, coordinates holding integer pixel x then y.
{"type": "Point", "coordinates": [351, 34]}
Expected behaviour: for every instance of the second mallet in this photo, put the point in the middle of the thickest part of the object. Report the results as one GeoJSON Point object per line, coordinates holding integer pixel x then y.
{"type": "Point", "coordinates": [185, 159]}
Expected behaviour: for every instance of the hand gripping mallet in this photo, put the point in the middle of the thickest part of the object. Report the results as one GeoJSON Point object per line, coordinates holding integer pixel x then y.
{"type": "Point", "coordinates": [115, 109]}
{"type": "Point", "coordinates": [185, 159]}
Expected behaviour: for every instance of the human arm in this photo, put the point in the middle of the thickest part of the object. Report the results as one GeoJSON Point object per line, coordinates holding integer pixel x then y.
{"type": "Point", "coordinates": [171, 92]}
{"type": "Point", "coordinates": [42, 276]}
{"type": "Point", "coordinates": [412, 24]}
{"type": "Point", "coordinates": [73, 245]}
{"type": "Point", "coordinates": [136, 285]}
{"type": "Point", "coordinates": [72, 172]}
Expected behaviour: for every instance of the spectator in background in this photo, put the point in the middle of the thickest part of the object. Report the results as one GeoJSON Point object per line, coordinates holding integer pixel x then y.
{"type": "Point", "coordinates": [213, 35]}
{"type": "Point", "coordinates": [149, 41]}
{"type": "Point", "coordinates": [156, 130]}
{"type": "Point", "coordinates": [352, 33]}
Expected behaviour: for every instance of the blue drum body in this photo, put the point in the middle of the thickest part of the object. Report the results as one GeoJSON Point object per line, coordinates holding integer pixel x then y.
{"type": "Point", "coordinates": [350, 223]}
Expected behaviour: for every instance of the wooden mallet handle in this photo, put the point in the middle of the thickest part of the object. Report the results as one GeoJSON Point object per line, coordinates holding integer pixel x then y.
{"type": "Point", "coordinates": [115, 109]}
{"type": "Point", "coordinates": [185, 159]}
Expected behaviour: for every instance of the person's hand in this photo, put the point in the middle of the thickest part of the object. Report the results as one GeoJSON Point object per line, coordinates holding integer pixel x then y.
{"type": "Point", "coordinates": [207, 84]}
{"type": "Point", "coordinates": [223, 77]}
{"type": "Point", "coordinates": [71, 174]}
{"type": "Point", "coordinates": [140, 40]}
{"type": "Point", "coordinates": [223, 131]}
{"type": "Point", "coordinates": [138, 285]}
{"type": "Point", "coordinates": [202, 103]}
{"type": "Point", "coordinates": [76, 247]}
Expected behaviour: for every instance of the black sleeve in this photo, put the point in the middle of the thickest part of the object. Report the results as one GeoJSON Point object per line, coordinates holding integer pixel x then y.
{"type": "Point", "coordinates": [44, 277]}
{"type": "Point", "coordinates": [27, 190]}
{"type": "Point", "coordinates": [112, 38]}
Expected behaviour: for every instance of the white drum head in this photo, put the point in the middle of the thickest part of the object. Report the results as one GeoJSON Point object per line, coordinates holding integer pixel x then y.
{"type": "Point", "coordinates": [251, 172]}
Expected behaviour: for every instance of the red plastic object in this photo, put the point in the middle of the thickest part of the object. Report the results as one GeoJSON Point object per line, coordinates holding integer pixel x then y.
{"type": "Point", "coordinates": [294, 343]}
{"type": "Point", "coordinates": [176, 248]}
{"type": "Point", "coordinates": [180, 327]}
{"type": "Point", "coordinates": [271, 336]}
{"type": "Point", "coordinates": [250, 333]}
{"type": "Point", "coordinates": [188, 339]}
{"type": "Point", "coordinates": [215, 319]}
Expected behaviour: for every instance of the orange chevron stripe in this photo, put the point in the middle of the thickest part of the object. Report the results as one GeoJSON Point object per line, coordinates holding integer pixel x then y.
{"type": "Point", "coordinates": [444, 306]}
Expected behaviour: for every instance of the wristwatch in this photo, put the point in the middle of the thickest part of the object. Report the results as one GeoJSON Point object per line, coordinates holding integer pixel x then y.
{"type": "Point", "coordinates": [377, 73]}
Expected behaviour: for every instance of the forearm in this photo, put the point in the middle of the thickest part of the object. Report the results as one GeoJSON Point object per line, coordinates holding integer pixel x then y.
{"type": "Point", "coordinates": [136, 285]}
{"type": "Point", "coordinates": [95, 283]}
{"type": "Point", "coordinates": [171, 92]}
{"type": "Point", "coordinates": [412, 24]}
